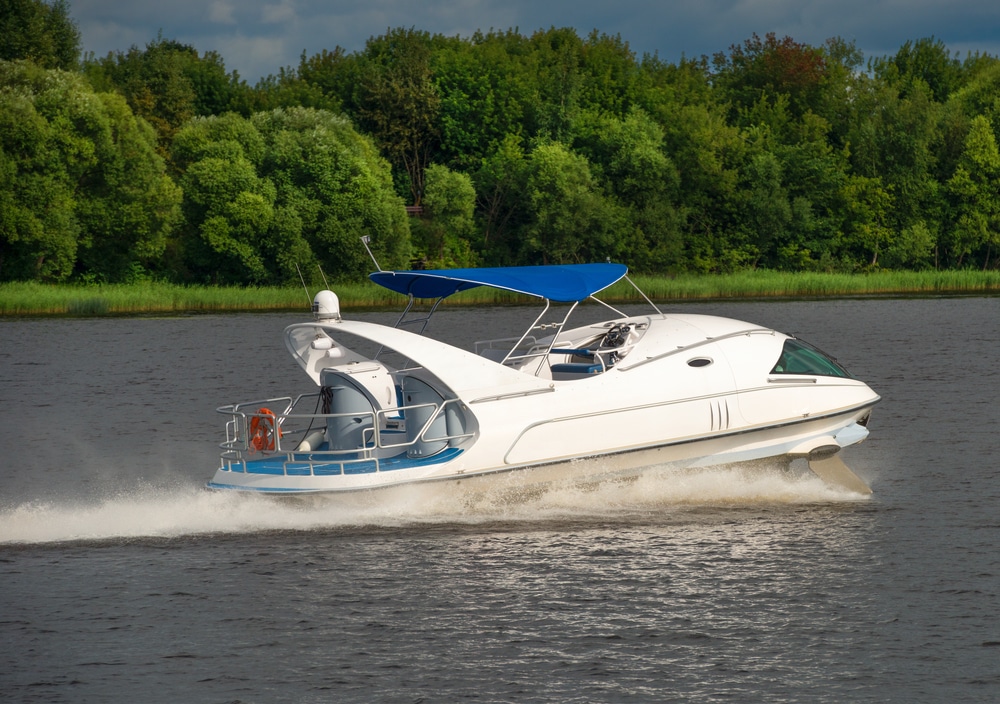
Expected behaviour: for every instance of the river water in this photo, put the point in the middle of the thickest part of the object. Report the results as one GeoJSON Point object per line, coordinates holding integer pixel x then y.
{"type": "Point", "coordinates": [121, 579]}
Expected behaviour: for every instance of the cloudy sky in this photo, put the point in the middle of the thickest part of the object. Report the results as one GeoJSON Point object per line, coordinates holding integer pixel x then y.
{"type": "Point", "coordinates": [257, 37]}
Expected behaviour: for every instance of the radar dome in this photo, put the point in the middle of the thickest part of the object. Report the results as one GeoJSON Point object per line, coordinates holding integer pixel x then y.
{"type": "Point", "coordinates": [326, 306]}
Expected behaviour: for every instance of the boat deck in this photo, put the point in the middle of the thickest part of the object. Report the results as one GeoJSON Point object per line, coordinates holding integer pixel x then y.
{"type": "Point", "coordinates": [310, 465]}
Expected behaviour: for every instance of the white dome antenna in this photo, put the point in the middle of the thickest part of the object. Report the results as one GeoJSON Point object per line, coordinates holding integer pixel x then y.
{"type": "Point", "coordinates": [326, 306]}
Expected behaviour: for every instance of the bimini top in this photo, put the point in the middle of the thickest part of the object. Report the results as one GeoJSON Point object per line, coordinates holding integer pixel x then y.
{"type": "Point", "coordinates": [564, 283]}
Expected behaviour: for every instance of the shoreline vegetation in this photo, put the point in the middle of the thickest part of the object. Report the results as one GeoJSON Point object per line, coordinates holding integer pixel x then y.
{"type": "Point", "coordinates": [34, 299]}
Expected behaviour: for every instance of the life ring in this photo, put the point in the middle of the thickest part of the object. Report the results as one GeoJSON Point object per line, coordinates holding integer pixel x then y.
{"type": "Point", "coordinates": [262, 429]}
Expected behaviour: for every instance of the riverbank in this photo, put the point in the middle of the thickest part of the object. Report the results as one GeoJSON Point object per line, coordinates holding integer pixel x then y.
{"type": "Point", "coordinates": [18, 299]}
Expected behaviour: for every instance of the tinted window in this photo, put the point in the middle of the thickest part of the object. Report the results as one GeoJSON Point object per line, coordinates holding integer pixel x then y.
{"type": "Point", "coordinates": [798, 357]}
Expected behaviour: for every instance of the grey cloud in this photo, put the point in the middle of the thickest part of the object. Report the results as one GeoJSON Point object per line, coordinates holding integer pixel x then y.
{"type": "Point", "coordinates": [257, 37]}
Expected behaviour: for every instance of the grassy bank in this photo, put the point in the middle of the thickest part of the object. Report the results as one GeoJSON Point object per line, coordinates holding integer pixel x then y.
{"type": "Point", "coordinates": [765, 284]}
{"type": "Point", "coordinates": [40, 299]}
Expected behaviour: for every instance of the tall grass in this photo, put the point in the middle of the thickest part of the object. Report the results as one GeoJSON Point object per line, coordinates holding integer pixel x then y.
{"type": "Point", "coordinates": [765, 284]}
{"type": "Point", "coordinates": [41, 299]}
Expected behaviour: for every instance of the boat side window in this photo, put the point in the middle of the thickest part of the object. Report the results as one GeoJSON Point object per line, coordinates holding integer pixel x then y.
{"type": "Point", "coordinates": [798, 357]}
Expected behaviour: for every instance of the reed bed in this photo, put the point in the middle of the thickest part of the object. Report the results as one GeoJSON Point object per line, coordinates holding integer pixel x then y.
{"type": "Point", "coordinates": [158, 298]}
{"type": "Point", "coordinates": [114, 299]}
{"type": "Point", "coordinates": [769, 284]}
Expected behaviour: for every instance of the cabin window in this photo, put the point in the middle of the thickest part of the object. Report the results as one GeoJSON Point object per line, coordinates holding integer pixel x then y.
{"type": "Point", "coordinates": [699, 362]}
{"type": "Point", "coordinates": [798, 357]}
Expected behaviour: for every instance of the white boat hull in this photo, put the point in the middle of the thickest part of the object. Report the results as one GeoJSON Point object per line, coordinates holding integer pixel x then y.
{"type": "Point", "coordinates": [786, 443]}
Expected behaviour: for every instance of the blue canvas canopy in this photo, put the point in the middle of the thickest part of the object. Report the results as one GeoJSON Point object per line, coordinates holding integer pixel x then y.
{"type": "Point", "coordinates": [564, 283]}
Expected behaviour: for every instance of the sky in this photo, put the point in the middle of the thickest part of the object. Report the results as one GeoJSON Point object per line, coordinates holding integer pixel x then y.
{"type": "Point", "coordinates": [258, 37]}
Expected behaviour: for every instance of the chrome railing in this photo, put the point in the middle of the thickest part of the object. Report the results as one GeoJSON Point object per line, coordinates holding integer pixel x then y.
{"type": "Point", "coordinates": [383, 435]}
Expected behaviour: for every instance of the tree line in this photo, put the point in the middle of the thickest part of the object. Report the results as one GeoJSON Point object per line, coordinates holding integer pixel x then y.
{"type": "Point", "coordinates": [158, 163]}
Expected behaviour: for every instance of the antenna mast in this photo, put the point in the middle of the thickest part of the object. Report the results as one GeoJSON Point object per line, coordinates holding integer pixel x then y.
{"type": "Point", "coordinates": [303, 280]}
{"type": "Point", "coordinates": [365, 240]}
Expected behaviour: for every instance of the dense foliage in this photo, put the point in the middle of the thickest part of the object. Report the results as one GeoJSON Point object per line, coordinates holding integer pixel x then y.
{"type": "Point", "coordinates": [277, 193]}
{"type": "Point", "coordinates": [81, 186]}
{"type": "Point", "coordinates": [157, 162]}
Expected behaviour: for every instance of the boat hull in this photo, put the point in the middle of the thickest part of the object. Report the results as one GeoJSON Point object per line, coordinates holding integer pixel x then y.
{"type": "Point", "coordinates": [787, 441]}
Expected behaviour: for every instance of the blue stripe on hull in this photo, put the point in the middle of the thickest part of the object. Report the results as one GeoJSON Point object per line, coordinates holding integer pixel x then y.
{"type": "Point", "coordinates": [278, 467]}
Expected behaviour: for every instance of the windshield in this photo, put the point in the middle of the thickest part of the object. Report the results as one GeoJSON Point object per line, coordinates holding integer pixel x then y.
{"type": "Point", "coordinates": [798, 357]}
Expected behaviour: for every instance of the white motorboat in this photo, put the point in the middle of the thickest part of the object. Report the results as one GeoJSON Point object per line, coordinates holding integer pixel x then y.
{"type": "Point", "coordinates": [556, 403]}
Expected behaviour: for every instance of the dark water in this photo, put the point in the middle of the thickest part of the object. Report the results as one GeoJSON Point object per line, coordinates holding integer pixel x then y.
{"type": "Point", "coordinates": [122, 580]}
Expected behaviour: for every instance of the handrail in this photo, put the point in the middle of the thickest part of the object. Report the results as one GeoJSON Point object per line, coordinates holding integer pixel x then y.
{"type": "Point", "coordinates": [236, 450]}
{"type": "Point", "coordinates": [481, 346]}
{"type": "Point", "coordinates": [643, 294]}
{"type": "Point", "coordinates": [531, 327]}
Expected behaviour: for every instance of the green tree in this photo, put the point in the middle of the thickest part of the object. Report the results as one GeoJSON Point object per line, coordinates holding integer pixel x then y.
{"type": "Point", "coordinates": [555, 64]}
{"type": "Point", "coordinates": [396, 102]}
{"type": "Point", "coordinates": [501, 201]}
{"type": "Point", "coordinates": [627, 156]}
{"type": "Point", "coordinates": [895, 139]}
{"type": "Point", "coordinates": [228, 136]}
{"type": "Point", "coordinates": [712, 153]}
{"type": "Point", "coordinates": [571, 219]}
{"type": "Point", "coordinates": [333, 73]}
{"type": "Point", "coordinates": [925, 61]}
{"type": "Point", "coordinates": [767, 210]}
{"type": "Point", "coordinates": [228, 211]}
{"type": "Point", "coordinates": [844, 64]}
{"type": "Point", "coordinates": [215, 90]}
{"type": "Point", "coordinates": [867, 230]}
{"type": "Point", "coordinates": [913, 248]}
{"type": "Point", "coordinates": [38, 225]}
{"type": "Point", "coordinates": [237, 230]}
{"type": "Point", "coordinates": [341, 188]}
{"type": "Point", "coordinates": [980, 95]}
{"type": "Point", "coordinates": [612, 80]}
{"type": "Point", "coordinates": [973, 189]}
{"type": "Point", "coordinates": [152, 81]}
{"type": "Point", "coordinates": [771, 67]}
{"type": "Point", "coordinates": [132, 205]}
{"type": "Point", "coordinates": [484, 92]}
{"type": "Point", "coordinates": [40, 32]}
{"type": "Point", "coordinates": [285, 189]}
{"type": "Point", "coordinates": [83, 186]}
{"type": "Point", "coordinates": [444, 233]}
{"type": "Point", "coordinates": [287, 90]}
{"type": "Point", "coordinates": [324, 81]}
{"type": "Point", "coordinates": [167, 83]}
{"type": "Point", "coordinates": [807, 180]}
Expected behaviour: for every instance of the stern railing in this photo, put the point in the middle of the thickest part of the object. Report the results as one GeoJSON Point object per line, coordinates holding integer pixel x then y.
{"type": "Point", "coordinates": [383, 435]}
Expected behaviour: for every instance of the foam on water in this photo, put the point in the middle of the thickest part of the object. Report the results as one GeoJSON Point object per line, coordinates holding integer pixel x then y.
{"type": "Point", "coordinates": [192, 510]}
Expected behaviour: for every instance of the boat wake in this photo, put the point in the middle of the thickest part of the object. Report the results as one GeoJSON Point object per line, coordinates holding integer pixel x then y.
{"type": "Point", "coordinates": [189, 510]}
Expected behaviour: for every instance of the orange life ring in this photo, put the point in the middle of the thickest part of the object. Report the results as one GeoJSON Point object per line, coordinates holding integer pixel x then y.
{"type": "Point", "coordinates": [262, 429]}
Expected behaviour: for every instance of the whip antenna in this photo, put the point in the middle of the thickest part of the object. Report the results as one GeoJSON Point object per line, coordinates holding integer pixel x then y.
{"type": "Point", "coordinates": [302, 279]}
{"type": "Point", "coordinates": [365, 239]}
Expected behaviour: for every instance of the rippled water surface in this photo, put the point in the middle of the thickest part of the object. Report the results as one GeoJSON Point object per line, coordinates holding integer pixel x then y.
{"type": "Point", "coordinates": [123, 580]}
